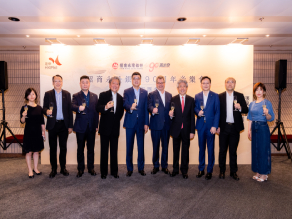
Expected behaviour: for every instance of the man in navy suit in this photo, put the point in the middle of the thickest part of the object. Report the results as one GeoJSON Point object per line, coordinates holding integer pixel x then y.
{"type": "Point", "coordinates": [86, 124]}
{"type": "Point", "coordinates": [159, 123]}
{"type": "Point", "coordinates": [136, 122]}
{"type": "Point", "coordinates": [207, 109]}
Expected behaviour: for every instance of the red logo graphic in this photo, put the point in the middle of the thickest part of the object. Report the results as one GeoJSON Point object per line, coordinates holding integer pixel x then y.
{"type": "Point", "coordinates": [56, 61]}
{"type": "Point", "coordinates": [153, 65]}
{"type": "Point", "coordinates": [115, 65]}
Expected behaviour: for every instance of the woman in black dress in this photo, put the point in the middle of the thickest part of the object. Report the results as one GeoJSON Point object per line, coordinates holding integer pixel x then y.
{"type": "Point", "coordinates": [34, 131]}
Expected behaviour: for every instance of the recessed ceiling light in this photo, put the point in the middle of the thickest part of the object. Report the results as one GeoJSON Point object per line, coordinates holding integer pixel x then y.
{"type": "Point", "coordinates": [267, 35]}
{"type": "Point", "coordinates": [53, 41]}
{"type": "Point", "coordinates": [78, 35]}
{"type": "Point", "coordinates": [13, 19]}
{"type": "Point", "coordinates": [146, 41]}
{"type": "Point", "coordinates": [239, 41]}
{"type": "Point", "coordinates": [204, 35]}
{"type": "Point", "coordinates": [27, 35]}
{"type": "Point", "coordinates": [192, 41]}
{"type": "Point", "coordinates": [181, 19]}
{"type": "Point", "coordinates": [141, 35]}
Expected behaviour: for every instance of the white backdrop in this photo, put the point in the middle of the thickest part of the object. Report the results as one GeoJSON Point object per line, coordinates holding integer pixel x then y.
{"type": "Point", "coordinates": [173, 62]}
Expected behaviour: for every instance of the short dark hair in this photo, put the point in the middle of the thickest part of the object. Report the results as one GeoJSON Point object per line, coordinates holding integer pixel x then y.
{"type": "Point", "coordinates": [57, 76]}
{"type": "Point", "coordinates": [205, 77]}
{"type": "Point", "coordinates": [27, 93]}
{"type": "Point", "coordinates": [84, 77]}
{"type": "Point", "coordinates": [256, 86]}
{"type": "Point", "coordinates": [136, 73]}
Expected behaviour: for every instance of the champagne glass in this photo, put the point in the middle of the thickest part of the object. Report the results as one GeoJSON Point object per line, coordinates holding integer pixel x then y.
{"type": "Point", "coordinates": [112, 101]}
{"type": "Point", "coordinates": [157, 104]}
{"type": "Point", "coordinates": [202, 107]}
{"type": "Point", "coordinates": [25, 109]}
{"type": "Point", "coordinates": [51, 107]}
{"type": "Point", "coordinates": [172, 106]}
{"type": "Point", "coordinates": [84, 104]}
{"type": "Point", "coordinates": [135, 101]}
{"type": "Point", "coordinates": [264, 107]}
{"type": "Point", "coordinates": [235, 101]}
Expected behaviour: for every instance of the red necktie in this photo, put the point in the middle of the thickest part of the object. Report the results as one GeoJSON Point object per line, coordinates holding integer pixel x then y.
{"type": "Point", "coordinates": [182, 108]}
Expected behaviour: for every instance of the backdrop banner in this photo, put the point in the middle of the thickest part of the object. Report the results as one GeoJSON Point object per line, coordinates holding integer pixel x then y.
{"type": "Point", "coordinates": [173, 62]}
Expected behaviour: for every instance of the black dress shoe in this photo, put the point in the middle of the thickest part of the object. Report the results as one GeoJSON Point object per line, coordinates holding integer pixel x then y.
{"type": "Point", "coordinates": [92, 172]}
{"type": "Point", "coordinates": [185, 176]}
{"type": "Point", "coordinates": [234, 176]}
{"type": "Point", "coordinates": [129, 173]}
{"type": "Point", "coordinates": [30, 176]}
{"type": "Point", "coordinates": [103, 176]}
{"type": "Point", "coordinates": [200, 174]}
{"type": "Point", "coordinates": [79, 174]}
{"type": "Point", "coordinates": [222, 175]}
{"type": "Point", "coordinates": [52, 174]}
{"type": "Point", "coordinates": [40, 173]}
{"type": "Point", "coordinates": [208, 176]}
{"type": "Point", "coordinates": [173, 174]}
{"type": "Point", "coordinates": [64, 172]}
{"type": "Point", "coordinates": [142, 172]}
{"type": "Point", "coordinates": [165, 170]}
{"type": "Point", "coordinates": [116, 175]}
{"type": "Point", "coordinates": [155, 170]}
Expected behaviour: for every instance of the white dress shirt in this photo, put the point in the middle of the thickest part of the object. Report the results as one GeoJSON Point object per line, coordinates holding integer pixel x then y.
{"type": "Point", "coordinates": [229, 108]}
{"type": "Point", "coordinates": [115, 100]}
{"type": "Point", "coordinates": [205, 98]}
{"type": "Point", "coordinates": [162, 95]}
{"type": "Point", "coordinates": [184, 99]}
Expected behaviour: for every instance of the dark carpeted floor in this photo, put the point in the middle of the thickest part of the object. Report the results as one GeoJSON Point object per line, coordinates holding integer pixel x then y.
{"type": "Point", "coordinates": [151, 196]}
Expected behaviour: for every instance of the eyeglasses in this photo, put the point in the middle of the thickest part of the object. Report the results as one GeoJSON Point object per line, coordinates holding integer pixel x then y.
{"type": "Point", "coordinates": [160, 83]}
{"type": "Point", "coordinates": [136, 79]}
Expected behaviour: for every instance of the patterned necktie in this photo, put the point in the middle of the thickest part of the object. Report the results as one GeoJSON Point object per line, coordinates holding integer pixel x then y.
{"type": "Point", "coordinates": [182, 107]}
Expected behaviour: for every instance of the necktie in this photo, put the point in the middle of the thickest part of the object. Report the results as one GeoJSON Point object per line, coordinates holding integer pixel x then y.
{"type": "Point", "coordinates": [182, 108]}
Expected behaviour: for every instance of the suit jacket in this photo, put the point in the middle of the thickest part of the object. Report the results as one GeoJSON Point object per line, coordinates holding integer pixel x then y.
{"type": "Point", "coordinates": [238, 122]}
{"type": "Point", "coordinates": [142, 112]}
{"type": "Point", "coordinates": [109, 123]}
{"type": "Point", "coordinates": [186, 118]}
{"type": "Point", "coordinates": [66, 109]}
{"type": "Point", "coordinates": [91, 117]}
{"type": "Point", "coordinates": [211, 110]}
{"type": "Point", "coordinates": [157, 121]}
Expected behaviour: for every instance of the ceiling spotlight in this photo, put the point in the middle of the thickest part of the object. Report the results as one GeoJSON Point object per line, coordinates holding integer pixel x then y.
{"type": "Point", "coordinates": [181, 19]}
{"type": "Point", "coordinates": [13, 19]}
{"type": "Point", "coordinates": [146, 42]}
{"type": "Point", "coordinates": [141, 35]}
{"type": "Point", "coordinates": [100, 41]}
{"type": "Point", "coordinates": [192, 41]}
{"type": "Point", "coordinates": [267, 35]}
{"type": "Point", "coordinates": [204, 35]}
{"type": "Point", "coordinates": [239, 41]}
{"type": "Point", "coordinates": [27, 35]}
{"type": "Point", "coordinates": [78, 35]}
{"type": "Point", "coordinates": [53, 41]}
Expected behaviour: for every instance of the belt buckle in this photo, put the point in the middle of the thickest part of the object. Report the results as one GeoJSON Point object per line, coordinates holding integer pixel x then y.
{"type": "Point", "coordinates": [204, 121]}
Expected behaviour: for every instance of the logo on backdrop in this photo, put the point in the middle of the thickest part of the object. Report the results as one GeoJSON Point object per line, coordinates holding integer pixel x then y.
{"type": "Point", "coordinates": [52, 64]}
{"type": "Point", "coordinates": [153, 65]}
{"type": "Point", "coordinates": [115, 65]}
{"type": "Point", "coordinates": [127, 66]}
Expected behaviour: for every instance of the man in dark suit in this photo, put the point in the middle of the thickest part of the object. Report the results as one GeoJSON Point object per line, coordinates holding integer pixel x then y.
{"type": "Point", "coordinates": [230, 126]}
{"type": "Point", "coordinates": [159, 123]}
{"type": "Point", "coordinates": [136, 122]}
{"type": "Point", "coordinates": [59, 123]}
{"type": "Point", "coordinates": [84, 103]}
{"type": "Point", "coordinates": [182, 128]}
{"type": "Point", "coordinates": [207, 109]}
{"type": "Point", "coordinates": [110, 105]}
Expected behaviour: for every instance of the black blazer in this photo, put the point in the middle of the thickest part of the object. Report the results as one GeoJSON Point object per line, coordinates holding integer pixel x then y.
{"type": "Point", "coordinates": [91, 117]}
{"type": "Point", "coordinates": [110, 122]}
{"type": "Point", "coordinates": [66, 109]}
{"type": "Point", "coordinates": [238, 121]}
{"type": "Point", "coordinates": [187, 117]}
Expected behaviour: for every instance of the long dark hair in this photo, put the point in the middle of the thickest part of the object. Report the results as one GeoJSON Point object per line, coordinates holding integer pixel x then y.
{"type": "Point", "coordinates": [27, 93]}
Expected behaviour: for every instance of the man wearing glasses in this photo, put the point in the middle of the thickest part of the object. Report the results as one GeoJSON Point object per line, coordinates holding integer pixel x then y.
{"type": "Point", "coordinates": [59, 123]}
{"type": "Point", "coordinates": [136, 122]}
{"type": "Point", "coordinates": [159, 106]}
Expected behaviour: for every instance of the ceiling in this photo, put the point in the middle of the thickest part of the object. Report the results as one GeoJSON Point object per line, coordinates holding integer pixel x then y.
{"type": "Point", "coordinates": [124, 21]}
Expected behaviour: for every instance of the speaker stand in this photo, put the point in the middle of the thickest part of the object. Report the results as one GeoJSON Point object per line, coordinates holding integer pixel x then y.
{"type": "Point", "coordinates": [282, 141]}
{"type": "Point", "coordinates": [4, 126]}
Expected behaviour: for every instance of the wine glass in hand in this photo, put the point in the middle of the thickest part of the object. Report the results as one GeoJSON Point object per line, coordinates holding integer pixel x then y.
{"type": "Point", "coordinates": [51, 107]}
{"type": "Point", "coordinates": [264, 107]}
{"type": "Point", "coordinates": [135, 101]}
{"type": "Point", "coordinates": [25, 109]}
{"type": "Point", "coordinates": [157, 105]}
{"type": "Point", "coordinates": [202, 107]}
{"type": "Point", "coordinates": [84, 104]}
{"type": "Point", "coordinates": [235, 102]}
{"type": "Point", "coordinates": [172, 107]}
{"type": "Point", "coordinates": [112, 101]}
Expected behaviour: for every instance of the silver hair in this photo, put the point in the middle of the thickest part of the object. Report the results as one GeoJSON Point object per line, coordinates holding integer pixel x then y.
{"type": "Point", "coordinates": [115, 77]}
{"type": "Point", "coordinates": [182, 81]}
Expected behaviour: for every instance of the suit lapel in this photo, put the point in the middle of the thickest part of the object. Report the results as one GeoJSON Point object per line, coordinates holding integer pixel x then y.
{"type": "Point", "coordinates": [210, 96]}
{"type": "Point", "coordinates": [159, 98]}
{"type": "Point", "coordinates": [179, 104]}
{"type": "Point", "coordinates": [63, 100]}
